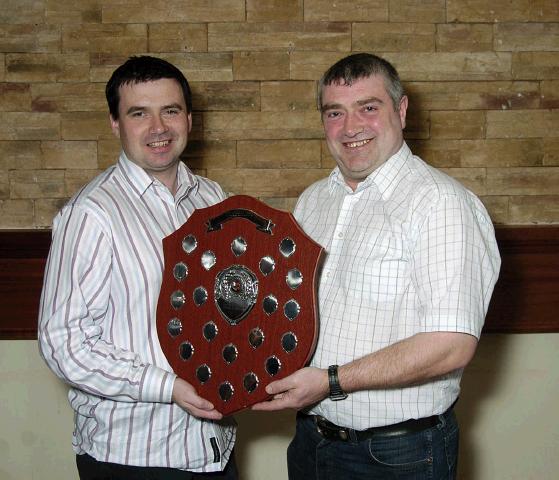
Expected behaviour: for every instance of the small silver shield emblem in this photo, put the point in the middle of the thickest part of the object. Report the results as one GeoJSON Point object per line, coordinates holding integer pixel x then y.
{"type": "Point", "coordinates": [236, 291]}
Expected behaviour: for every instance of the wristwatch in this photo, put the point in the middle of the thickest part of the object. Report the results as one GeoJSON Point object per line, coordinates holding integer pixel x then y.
{"type": "Point", "coordinates": [336, 392]}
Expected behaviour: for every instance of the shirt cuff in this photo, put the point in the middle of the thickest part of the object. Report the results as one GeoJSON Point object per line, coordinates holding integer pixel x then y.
{"type": "Point", "coordinates": [157, 385]}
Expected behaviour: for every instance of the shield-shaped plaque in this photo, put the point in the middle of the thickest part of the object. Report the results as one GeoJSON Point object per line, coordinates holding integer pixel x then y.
{"type": "Point", "coordinates": [237, 307]}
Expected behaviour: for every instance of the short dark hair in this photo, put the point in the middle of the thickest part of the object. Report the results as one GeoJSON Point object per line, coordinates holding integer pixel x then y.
{"type": "Point", "coordinates": [363, 65]}
{"type": "Point", "coordinates": [143, 69]}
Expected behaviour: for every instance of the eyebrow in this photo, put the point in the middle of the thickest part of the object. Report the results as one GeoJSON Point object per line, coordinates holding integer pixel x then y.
{"type": "Point", "coordinates": [365, 101]}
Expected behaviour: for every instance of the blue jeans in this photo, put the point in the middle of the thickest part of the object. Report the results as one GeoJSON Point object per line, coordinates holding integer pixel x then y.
{"type": "Point", "coordinates": [428, 454]}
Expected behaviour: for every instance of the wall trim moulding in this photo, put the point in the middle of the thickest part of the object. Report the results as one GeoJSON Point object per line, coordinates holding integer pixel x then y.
{"type": "Point", "coordinates": [526, 298]}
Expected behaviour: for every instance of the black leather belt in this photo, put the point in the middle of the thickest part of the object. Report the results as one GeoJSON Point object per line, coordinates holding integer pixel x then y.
{"type": "Point", "coordinates": [332, 431]}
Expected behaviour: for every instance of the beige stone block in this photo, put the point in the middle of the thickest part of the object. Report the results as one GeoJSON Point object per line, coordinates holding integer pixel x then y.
{"type": "Point", "coordinates": [502, 11]}
{"type": "Point", "coordinates": [278, 154]}
{"type": "Point", "coordinates": [474, 179]}
{"type": "Point", "coordinates": [526, 37]}
{"type": "Point", "coordinates": [85, 126]}
{"type": "Point", "coordinates": [458, 125]}
{"type": "Point", "coordinates": [287, 204]}
{"type": "Point", "coordinates": [551, 151]}
{"type": "Point", "coordinates": [202, 154]}
{"type": "Point", "coordinates": [312, 65]}
{"type": "Point", "coordinates": [326, 159]}
{"type": "Point", "coordinates": [197, 67]}
{"type": "Point", "coordinates": [47, 67]}
{"type": "Point", "coordinates": [29, 126]}
{"type": "Point", "coordinates": [2, 67]}
{"type": "Point", "coordinates": [76, 179]}
{"type": "Point", "coordinates": [71, 12]}
{"type": "Point", "coordinates": [92, 37]}
{"type": "Point", "coordinates": [226, 96]}
{"type": "Point", "coordinates": [15, 97]}
{"type": "Point", "coordinates": [4, 185]}
{"type": "Point", "coordinates": [268, 182]}
{"type": "Point", "coordinates": [69, 155]}
{"type": "Point", "coordinates": [21, 12]}
{"type": "Point", "coordinates": [523, 124]}
{"type": "Point", "coordinates": [452, 66]}
{"type": "Point", "coordinates": [16, 214]}
{"type": "Point", "coordinates": [291, 36]}
{"type": "Point", "coordinates": [550, 94]}
{"type": "Point", "coordinates": [534, 209]}
{"type": "Point", "coordinates": [178, 37]}
{"type": "Point", "coordinates": [535, 65]}
{"type": "Point", "coordinates": [425, 11]}
{"type": "Point", "coordinates": [464, 37]}
{"type": "Point", "coordinates": [523, 181]}
{"type": "Point", "coordinates": [46, 209]}
{"type": "Point", "coordinates": [393, 37]}
{"type": "Point", "coordinates": [288, 96]}
{"type": "Point", "coordinates": [261, 65]}
{"type": "Point", "coordinates": [497, 207]}
{"type": "Point", "coordinates": [169, 11]}
{"type": "Point", "coordinates": [261, 125]}
{"type": "Point", "coordinates": [417, 124]}
{"type": "Point", "coordinates": [481, 153]}
{"type": "Point", "coordinates": [20, 155]}
{"type": "Point", "coordinates": [37, 38]}
{"type": "Point", "coordinates": [438, 153]}
{"type": "Point", "coordinates": [68, 97]}
{"type": "Point", "coordinates": [37, 184]}
{"type": "Point", "coordinates": [473, 95]}
{"type": "Point", "coordinates": [108, 151]}
{"type": "Point", "coordinates": [346, 10]}
{"type": "Point", "coordinates": [274, 10]}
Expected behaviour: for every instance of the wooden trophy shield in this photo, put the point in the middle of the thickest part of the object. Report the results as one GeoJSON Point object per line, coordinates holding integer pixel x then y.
{"type": "Point", "coordinates": [237, 307]}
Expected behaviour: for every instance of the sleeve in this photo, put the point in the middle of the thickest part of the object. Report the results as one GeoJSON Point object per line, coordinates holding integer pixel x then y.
{"type": "Point", "coordinates": [74, 302]}
{"type": "Point", "coordinates": [455, 264]}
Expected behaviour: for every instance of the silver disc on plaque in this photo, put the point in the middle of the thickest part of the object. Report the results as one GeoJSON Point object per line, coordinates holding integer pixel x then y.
{"type": "Point", "coordinates": [174, 327]}
{"type": "Point", "coordinates": [270, 304]}
{"type": "Point", "coordinates": [287, 247]}
{"type": "Point", "coordinates": [256, 338]}
{"type": "Point", "coordinates": [226, 391]}
{"type": "Point", "coordinates": [289, 342]}
{"type": "Point", "coordinates": [236, 291]}
{"type": "Point", "coordinates": [180, 271]}
{"type": "Point", "coordinates": [267, 265]}
{"type": "Point", "coordinates": [177, 299]}
{"type": "Point", "coordinates": [291, 309]}
{"type": "Point", "coordinates": [208, 259]}
{"type": "Point", "coordinates": [186, 350]}
{"type": "Point", "coordinates": [230, 353]}
{"type": "Point", "coordinates": [273, 365]}
{"type": "Point", "coordinates": [203, 373]}
{"type": "Point", "coordinates": [238, 246]}
{"type": "Point", "coordinates": [200, 296]}
{"type": "Point", "coordinates": [294, 278]}
{"type": "Point", "coordinates": [210, 331]}
{"type": "Point", "coordinates": [189, 244]}
{"type": "Point", "coordinates": [250, 382]}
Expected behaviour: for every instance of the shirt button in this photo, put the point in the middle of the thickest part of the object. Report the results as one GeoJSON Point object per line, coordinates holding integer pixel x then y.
{"type": "Point", "coordinates": [340, 235]}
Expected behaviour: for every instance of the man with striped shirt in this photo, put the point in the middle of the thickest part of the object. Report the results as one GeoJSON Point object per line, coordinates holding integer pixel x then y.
{"type": "Point", "coordinates": [134, 418]}
{"type": "Point", "coordinates": [411, 265]}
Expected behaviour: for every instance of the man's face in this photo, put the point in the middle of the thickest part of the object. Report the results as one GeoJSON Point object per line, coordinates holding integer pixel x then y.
{"type": "Point", "coordinates": [362, 129]}
{"type": "Point", "coordinates": [153, 125]}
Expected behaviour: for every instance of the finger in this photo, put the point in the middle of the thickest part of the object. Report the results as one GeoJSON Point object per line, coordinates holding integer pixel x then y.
{"type": "Point", "coordinates": [279, 386]}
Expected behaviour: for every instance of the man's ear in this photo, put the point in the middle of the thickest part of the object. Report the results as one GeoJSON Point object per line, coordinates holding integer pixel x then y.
{"type": "Point", "coordinates": [114, 126]}
{"type": "Point", "coordinates": [402, 110]}
{"type": "Point", "coordinates": [189, 119]}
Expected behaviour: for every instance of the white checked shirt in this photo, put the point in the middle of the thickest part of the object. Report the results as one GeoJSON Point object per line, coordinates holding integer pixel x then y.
{"type": "Point", "coordinates": [97, 328]}
{"type": "Point", "coordinates": [410, 251]}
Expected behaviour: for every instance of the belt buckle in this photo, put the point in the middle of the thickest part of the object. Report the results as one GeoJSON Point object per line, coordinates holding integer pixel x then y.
{"type": "Point", "coordinates": [335, 433]}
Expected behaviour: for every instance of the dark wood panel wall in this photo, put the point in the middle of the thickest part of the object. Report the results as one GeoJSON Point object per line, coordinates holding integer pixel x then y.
{"type": "Point", "coordinates": [526, 297]}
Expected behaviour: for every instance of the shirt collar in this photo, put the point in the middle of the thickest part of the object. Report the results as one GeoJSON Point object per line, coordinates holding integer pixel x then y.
{"type": "Point", "coordinates": [384, 177]}
{"type": "Point", "coordinates": [141, 180]}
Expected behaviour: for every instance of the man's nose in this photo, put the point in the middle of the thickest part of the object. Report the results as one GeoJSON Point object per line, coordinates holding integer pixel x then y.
{"type": "Point", "coordinates": [352, 125]}
{"type": "Point", "coordinates": [157, 124]}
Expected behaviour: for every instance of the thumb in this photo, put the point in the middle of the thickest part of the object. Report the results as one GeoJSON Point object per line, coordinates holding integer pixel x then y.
{"type": "Point", "coordinates": [278, 386]}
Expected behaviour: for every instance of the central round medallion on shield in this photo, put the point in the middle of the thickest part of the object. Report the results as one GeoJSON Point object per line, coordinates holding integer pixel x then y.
{"type": "Point", "coordinates": [236, 291]}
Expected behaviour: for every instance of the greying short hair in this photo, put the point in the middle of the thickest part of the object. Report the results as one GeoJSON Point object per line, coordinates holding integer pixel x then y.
{"type": "Point", "coordinates": [363, 65]}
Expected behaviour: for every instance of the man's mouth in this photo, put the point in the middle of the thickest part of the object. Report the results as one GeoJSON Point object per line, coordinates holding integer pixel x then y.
{"type": "Point", "coordinates": [357, 144]}
{"type": "Point", "coordinates": [162, 143]}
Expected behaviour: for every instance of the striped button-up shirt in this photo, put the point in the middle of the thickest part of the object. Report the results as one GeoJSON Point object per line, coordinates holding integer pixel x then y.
{"type": "Point", "coordinates": [97, 328]}
{"type": "Point", "coordinates": [409, 251]}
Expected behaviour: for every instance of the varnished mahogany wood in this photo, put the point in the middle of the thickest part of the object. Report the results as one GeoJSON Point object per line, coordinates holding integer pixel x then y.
{"type": "Point", "coordinates": [526, 298]}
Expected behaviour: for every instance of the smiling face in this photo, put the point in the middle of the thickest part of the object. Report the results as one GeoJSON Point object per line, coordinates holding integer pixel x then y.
{"type": "Point", "coordinates": [153, 126]}
{"type": "Point", "coordinates": [362, 128]}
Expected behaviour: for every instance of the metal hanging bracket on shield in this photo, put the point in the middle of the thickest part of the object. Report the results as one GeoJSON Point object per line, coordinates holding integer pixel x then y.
{"type": "Point", "coordinates": [237, 307]}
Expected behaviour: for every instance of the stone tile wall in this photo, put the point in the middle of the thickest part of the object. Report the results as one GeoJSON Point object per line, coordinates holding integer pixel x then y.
{"type": "Point", "coordinates": [482, 77]}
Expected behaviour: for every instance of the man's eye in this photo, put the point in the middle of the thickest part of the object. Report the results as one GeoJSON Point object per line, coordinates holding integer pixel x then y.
{"type": "Point", "coordinates": [370, 108]}
{"type": "Point", "coordinates": [332, 114]}
{"type": "Point", "coordinates": [172, 111]}
{"type": "Point", "coordinates": [138, 114]}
